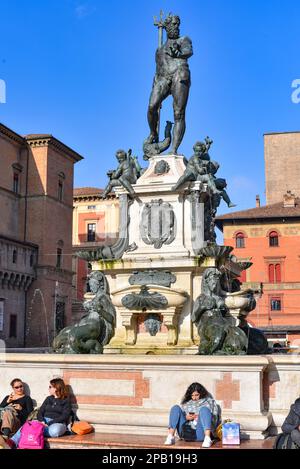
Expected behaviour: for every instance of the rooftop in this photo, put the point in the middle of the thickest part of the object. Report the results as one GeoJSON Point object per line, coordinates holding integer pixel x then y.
{"type": "Point", "coordinates": [46, 139]}
{"type": "Point", "coordinates": [272, 211]}
{"type": "Point", "coordinates": [39, 140]}
{"type": "Point", "coordinates": [87, 191]}
{"type": "Point", "coordinates": [11, 134]}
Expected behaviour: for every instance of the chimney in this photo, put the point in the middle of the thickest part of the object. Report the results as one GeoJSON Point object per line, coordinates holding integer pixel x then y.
{"type": "Point", "coordinates": [289, 199]}
{"type": "Point", "coordinates": [257, 199]}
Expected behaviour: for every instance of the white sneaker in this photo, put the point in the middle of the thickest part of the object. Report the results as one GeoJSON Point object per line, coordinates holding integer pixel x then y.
{"type": "Point", "coordinates": [170, 440]}
{"type": "Point", "coordinates": [207, 442]}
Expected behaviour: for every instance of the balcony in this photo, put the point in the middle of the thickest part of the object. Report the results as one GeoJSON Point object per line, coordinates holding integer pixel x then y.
{"type": "Point", "coordinates": [17, 263]}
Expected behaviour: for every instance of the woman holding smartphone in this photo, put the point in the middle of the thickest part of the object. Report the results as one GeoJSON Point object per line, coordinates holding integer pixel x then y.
{"type": "Point", "coordinates": [15, 408]}
{"type": "Point", "coordinates": [198, 408]}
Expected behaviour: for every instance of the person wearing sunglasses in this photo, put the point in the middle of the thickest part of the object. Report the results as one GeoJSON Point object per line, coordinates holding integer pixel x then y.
{"type": "Point", "coordinates": [15, 408]}
{"type": "Point", "coordinates": [55, 412]}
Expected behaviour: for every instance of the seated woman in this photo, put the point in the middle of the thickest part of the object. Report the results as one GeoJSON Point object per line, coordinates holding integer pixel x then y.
{"type": "Point", "coordinates": [55, 412]}
{"type": "Point", "coordinates": [15, 408]}
{"type": "Point", "coordinates": [198, 408]}
{"type": "Point", "coordinates": [291, 424]}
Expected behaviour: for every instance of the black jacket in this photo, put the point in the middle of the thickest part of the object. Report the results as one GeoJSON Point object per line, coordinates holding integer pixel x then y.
{"type": "Point", "coordinates": [26, 404]}
{"type": "Point", "coordinates": [58, 410]}
{"type": "Point", "coordinates": [292, 421]}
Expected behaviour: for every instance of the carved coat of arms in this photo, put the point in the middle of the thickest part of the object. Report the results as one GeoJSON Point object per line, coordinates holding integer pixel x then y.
{"type": "Point", "coordinates": [158, 223]}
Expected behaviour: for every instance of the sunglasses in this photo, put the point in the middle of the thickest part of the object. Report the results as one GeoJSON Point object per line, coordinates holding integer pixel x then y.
{"type": "Point", "coordinates": [18, 387]}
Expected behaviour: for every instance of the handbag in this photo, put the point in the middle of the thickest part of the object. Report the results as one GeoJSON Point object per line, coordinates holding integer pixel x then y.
{"type": "Point", "coordinates": [81, 427]}
{"type": "Point", "coordinates": [188, 433]}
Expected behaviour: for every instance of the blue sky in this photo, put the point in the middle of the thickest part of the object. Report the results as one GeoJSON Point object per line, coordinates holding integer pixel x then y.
{"type": "Point", "coordinates": [83, 70]}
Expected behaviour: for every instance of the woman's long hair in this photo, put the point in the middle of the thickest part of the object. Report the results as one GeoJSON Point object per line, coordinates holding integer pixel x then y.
{"type": "Point", "coordinates": [60, 388]}
{"type": "Point", "coordinates": [192, 388]}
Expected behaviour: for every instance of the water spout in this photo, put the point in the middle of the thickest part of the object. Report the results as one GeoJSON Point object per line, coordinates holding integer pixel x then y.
{"type": "Point", "coordinates": [36, 292]}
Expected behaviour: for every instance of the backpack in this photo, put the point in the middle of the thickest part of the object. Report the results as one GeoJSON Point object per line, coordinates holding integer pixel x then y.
{"type": "Point", "coordinates": [284, 441]}
{"type": "Point", "coordinates": [188, 433]}
{"type": "Point", "coordinates": [32, 435]}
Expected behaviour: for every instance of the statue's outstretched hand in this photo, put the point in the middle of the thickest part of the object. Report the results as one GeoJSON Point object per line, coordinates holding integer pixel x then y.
{"type": "Point", "coordinates": [174, 51]}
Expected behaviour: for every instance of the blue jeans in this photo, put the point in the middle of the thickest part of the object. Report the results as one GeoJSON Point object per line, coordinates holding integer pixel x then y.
{"type": "Point", "coordinates": [178, 418]}
{"type": "Point", "coordinates": [53, 431]}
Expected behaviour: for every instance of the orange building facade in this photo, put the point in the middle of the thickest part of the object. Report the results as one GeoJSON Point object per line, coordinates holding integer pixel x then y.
{"type": "Point", "coordinates": [95, 223]}
{"type": "Point", "coordinates": [269, 236]}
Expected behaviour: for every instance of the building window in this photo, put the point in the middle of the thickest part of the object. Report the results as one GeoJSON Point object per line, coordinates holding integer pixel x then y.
{"type": "Point", "coordinates": [275, 304]}
{"type": "Point", "coordinates": [58, 258]}
{"type": "Point", "coordinates": [31, 260]}
{"type": "Point", "coordinates": [1, 315]}
{"type": "Point", "coordinates": [59, 316]}
{"type": "Point", "coordinates": [91, 232]}
{"type": "Point", "coordinates": [16, 183]}
{"type": "Point", "coordinates": [60, 190]}
{"type": "Point", "coordinates": [60, 187]}
{"type": "Point", "coordinates": [13, 326]}
{"type": "Point", "coordinates": [15, 256]}
{"type": "Point", "coordinates": [273, 239]}
{"type": "Point", "coordinates": [274, 273]}
{"type": "Point", "coordinates": [240, 240]}
{"type": "Point", "coordinates": [91, 207]}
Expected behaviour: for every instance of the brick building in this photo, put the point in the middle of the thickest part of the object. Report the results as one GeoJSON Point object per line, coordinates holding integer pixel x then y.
{"type": "Point", "coordinates": [95, 223]}
{"type": "Point", "coordinates": [269, 236]}
{"type": "Point", "coordinates": [282, 165]}
{"type": "Point", "coordinates": [36, 200]}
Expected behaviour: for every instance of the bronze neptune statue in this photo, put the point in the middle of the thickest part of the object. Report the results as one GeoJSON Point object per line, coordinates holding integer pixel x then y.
{"type": "Point", "coordinates": [172, 78]}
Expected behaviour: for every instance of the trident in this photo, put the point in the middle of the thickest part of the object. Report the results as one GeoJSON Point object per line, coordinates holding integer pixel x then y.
{"type": "Point", "coordinates": [160, 25]}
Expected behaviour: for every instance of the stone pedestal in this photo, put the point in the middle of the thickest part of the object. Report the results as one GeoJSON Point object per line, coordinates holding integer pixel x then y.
{"type": "Point", "coordinates": [134, 394]}
{"type": "Point", "coordinates": [165, 230]}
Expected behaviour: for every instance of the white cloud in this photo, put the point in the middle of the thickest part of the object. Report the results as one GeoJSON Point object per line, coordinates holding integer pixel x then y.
{"type": "Point", "coordinates": [84, 9]}
{"type": "Point", "coordinates": [241, 182]}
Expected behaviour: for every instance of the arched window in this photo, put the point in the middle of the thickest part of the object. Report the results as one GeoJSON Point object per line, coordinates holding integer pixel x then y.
{"type": "Point", "coordinates": [273, 239]}
{"type": "Point", "coordinates": [61, 178]}
{"type": "Point", "coordinates": [240, 240]}
{"type": "Point", "coordinates": [58, 258]}
{"type": "Point", "coordinates": [277, 273]}
{"type": "Point", "coordinates": [15, 256]}
{"type": "Point", "coordinates": [59, 254]}
{"type": "Point", "coordinates": [274, 273]}
{"type": "Point", "coordinates": [271, 273]}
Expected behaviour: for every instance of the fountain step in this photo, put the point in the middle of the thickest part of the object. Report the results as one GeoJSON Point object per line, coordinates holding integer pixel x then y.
{"type": "Point", "coordinates": [120, 441]}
